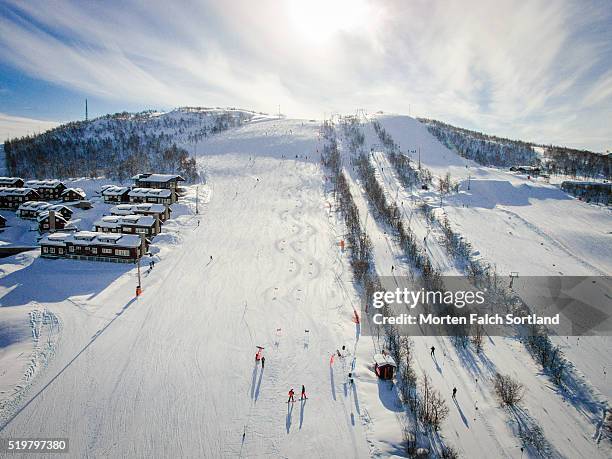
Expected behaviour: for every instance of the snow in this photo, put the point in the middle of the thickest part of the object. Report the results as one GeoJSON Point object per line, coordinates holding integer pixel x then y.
{"type": "Point", "coordinates": [149, 192]}
{"type": "Point", "coordinates": [172, 373]}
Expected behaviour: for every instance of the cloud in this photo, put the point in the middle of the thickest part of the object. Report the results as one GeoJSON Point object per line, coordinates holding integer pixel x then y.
{"type": "Point", "coordinates": [539, 69]}
{"type": "Point", "coordinates": [16, 126]}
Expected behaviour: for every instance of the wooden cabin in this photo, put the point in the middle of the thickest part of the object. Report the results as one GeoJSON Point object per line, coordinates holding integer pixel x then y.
{"type": "Point", "coordinates": [49, 190]}
{"type": "Point", "coordinates": [32, 209]}
{"type": "Point", "coordinates": [112, 193]}
{"type": "Point", "coordinates": [152, 195]}
{"type": "Point", "coordinates": [12, 198]}
{"type": "Point", "coordinates": [73, 194]}
{"type": "Point", "coordinates": [160, 211]}
{"type": "Point", "coordinates": [87, 245]}
{"type": "Point", "coordinates": [166, 181]}
{"type": "Point", "coordinates": [11, 182]}
{"type": "Point", "coordinates": [128, 224]}
{"type": "Point", "coordinates": [45, 223]}
{"type": "Point", "coordinates": [384, 366]}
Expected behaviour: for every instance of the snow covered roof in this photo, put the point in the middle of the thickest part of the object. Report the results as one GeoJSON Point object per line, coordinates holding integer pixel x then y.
{"type": "Point", "coordinates": [45, 213]}
{"type": "Point", "coordinates": [15, 191]}
{"type": "Point", "coordinates": [84, 238]}
{"type": "Point", "coordinates": [160, 178]}
{"type": "Point", "coordinates": [34, 206]}
{"type": "Point", "coordinates": [385, 359]}
{"type": "Point", "coordinates": [43, 183]}
{"type": "Point", "coordinates": [150, 192]}
{"type": "Point", "coordinates": [9, 180]}
{"type": "Point", "coordinates": [113, 190]}
{"type": "Point", "coordinates": [126, 209]}
{"type": "Point", "coordinates": [78, 191]}
{"type": "Point", "coordinates": [113, 221]}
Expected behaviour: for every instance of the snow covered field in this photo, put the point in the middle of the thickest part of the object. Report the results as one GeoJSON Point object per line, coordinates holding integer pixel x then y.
{"type": "Point", "coordinates": [172, 373]}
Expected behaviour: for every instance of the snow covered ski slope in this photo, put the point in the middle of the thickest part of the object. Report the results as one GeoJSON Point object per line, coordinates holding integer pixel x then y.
{"type": "Point", "coordinates": [173, 373]}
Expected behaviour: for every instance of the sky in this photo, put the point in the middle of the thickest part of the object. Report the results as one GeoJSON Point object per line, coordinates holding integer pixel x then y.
{"type": "Point", "coordinates": [532, 70]}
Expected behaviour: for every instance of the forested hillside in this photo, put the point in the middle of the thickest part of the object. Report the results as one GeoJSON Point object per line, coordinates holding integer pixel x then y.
{"type": "Point", "coordinates": [491, 150]}
{"type": "Point", "coordinates": [120, 145]}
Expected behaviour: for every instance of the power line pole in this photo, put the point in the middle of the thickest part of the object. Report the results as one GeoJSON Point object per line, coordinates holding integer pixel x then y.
{"type": "Point", "coordinates": [86, 114]}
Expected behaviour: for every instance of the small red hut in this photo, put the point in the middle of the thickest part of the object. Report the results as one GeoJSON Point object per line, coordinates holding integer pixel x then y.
{"type": "Point", "coordinates": [384, 366]}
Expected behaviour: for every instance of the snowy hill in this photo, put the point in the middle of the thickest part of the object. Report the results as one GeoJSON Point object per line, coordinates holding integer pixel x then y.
{"type": "Point", "coordinates": [120, 145]}
{"type": "Point", "coordinates": [172, 373]}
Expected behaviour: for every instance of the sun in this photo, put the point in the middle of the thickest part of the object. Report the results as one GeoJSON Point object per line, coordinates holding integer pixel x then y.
{"type": "Point", "coordinates": [319, 20]}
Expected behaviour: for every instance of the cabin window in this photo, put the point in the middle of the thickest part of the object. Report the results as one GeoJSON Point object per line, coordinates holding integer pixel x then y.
{"type": "Point", "coordinates": [94, 250]}
{"type": "Point", "coordinates": [122, 252]}
{"type": "Point", "coordinates": [71, 248]}
{"type": "Point", "coordinates": [107, 251]}
{"type": "Point", "coordinates": [60, 251]}
{"type": "Point", "coordinates": [51, 249]}
{"type": "Point", "coordinates": [141, 230]}
{"type": "Point", "coordinates": [45, 249]}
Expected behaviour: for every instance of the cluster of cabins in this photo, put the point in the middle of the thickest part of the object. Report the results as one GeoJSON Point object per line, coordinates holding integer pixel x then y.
{"type": "Point", "coordinates": [122, 236]}
{"type": "Point", "coordinates": [30, 201]}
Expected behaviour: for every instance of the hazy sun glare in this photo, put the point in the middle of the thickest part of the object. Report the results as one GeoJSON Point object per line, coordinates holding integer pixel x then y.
{"type": "Point", "coordinates": [318, 20]}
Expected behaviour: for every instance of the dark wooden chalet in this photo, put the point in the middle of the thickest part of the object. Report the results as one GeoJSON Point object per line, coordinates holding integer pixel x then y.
{"type": "Point", "coordinates": [49, 190]}
{"type": "Point", "coordinates": [160, 211]}
{"type": "Point", "coordinates": [166, 181]}
{"type": "Point", "coordinates": [12, 198]}
{"type": "Point", "coordinates": [31, 209]}
{"type": "Point", "coordinates": [87, 245]}
{"type": "Point", "coordinates": [112, 193]}
{"type": "Point", "coordinates": [11, 182]}
{"type": "Point", "coordinates": [73, 194]}
{"type": "Point", "coordinates": [45, 222]}
{"type": "Point", "coordinates": [152, 195]}
{"type": "Point", "coordinates": [128, 224]}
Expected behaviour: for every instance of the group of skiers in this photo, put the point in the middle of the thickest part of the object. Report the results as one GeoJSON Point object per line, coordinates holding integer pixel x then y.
{"type": "Point", "coordinates": [259, 357]}
{"type": "Point", "coordinates": [292, 393]}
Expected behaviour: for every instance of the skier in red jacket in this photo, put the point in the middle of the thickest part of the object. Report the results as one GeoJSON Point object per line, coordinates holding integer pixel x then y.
{"type": "Point", "coordinates": [291, 393]}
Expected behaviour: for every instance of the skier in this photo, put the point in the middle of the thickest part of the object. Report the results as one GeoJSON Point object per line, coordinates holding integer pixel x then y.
{"type": "Point", "coordinates": [291, 392]}
{"type": "Point", "coordinates": [211, 258]}
{"type": "Point", "coordinates": [303, 396]}
{"type": "Point", "coordinates": [433, 351]}
{"type": "Point", "coordinates": [350, 379]}
{"type": "Point", "coordinates": [454, 392]}
{"type": "Point", "coordinates": [263, 362]}
{"type": "Point", "coordinates": [392, 268]}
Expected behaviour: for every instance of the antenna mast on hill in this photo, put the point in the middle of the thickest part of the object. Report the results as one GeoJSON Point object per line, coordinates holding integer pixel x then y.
{"type": "Point", "coordinates": [85, 109]}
